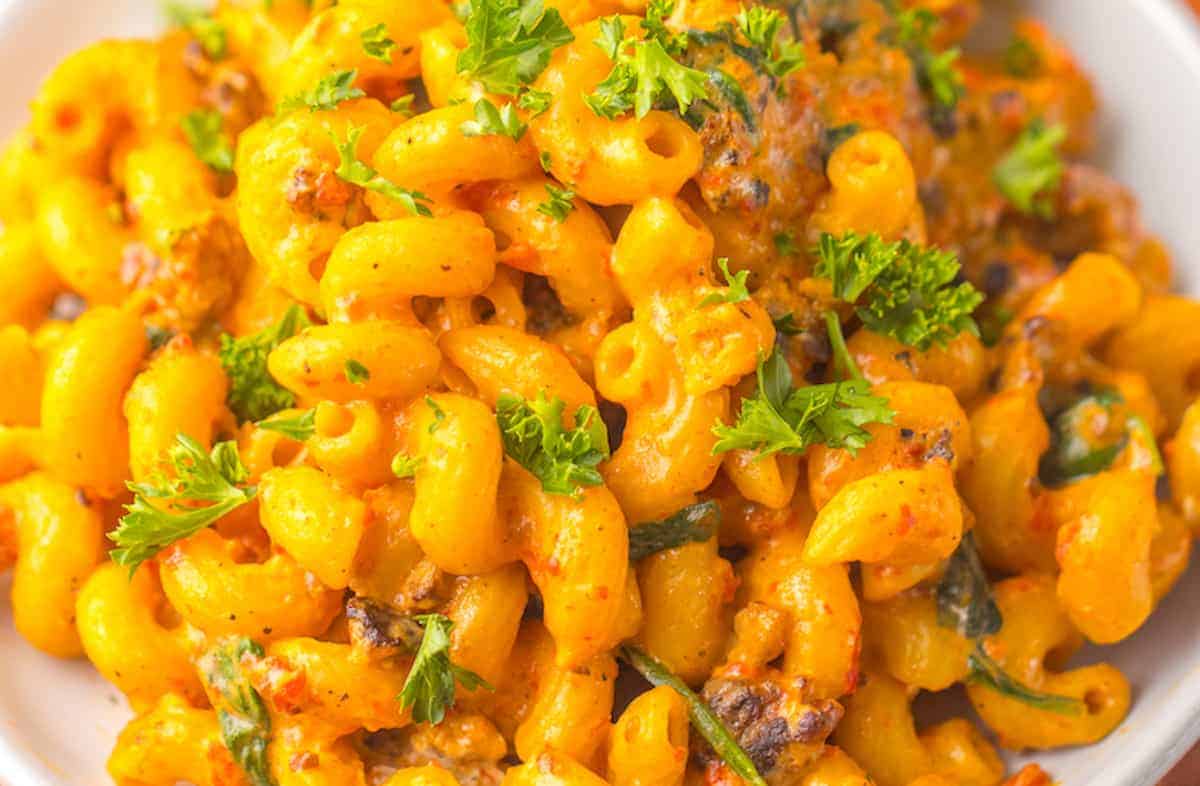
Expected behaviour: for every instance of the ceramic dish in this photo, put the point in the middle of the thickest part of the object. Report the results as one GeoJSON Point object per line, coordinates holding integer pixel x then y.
{"type": "Point", "coordinates": [58, 719]}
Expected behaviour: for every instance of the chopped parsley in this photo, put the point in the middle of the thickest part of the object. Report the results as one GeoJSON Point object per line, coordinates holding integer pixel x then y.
{"type": "Point", "coordinates": [781, 419]}
{"type": "Point", "coordinates": [1087, 437]}
{"type": "Point", "coordinates": [693, 524]}
{"type": "Point", "coordinates": [935, 72]}
{"type": "Point", "coordinates": [909, 290]}
{"type": "Point", "coordinates": [1021, 59]}
{"type": "Point", "coordinates": [490, 120]}
{"type": "Point", "coordinates": [330, 91]}
{"type": "Point", "coordinates": [404, 465]}
{"type": "Point", "coordinates": [559, 205]}
{"type": "Point", "coordinates": [200, 24]}
{"type": "Point", "coordinates": [253, 392]}
{"type": "Point", "coordinates": [299, 427]}
{"type": "Point", "coordinates": [217, 477]}
{"type": "Point", "coordinates": [242, 715]}
{"type": "Point", "coordinates": [736, 291]}
{"type": "Point", "coordinates": [358, 173]}
{"type": "Point", "coordinates": [439, 414]}
{"type": "Point", "coordinates": [1031, 171]}
{"type": "Point", "coordinates": [645, 75]}
{"type": "Point", "coordinates": [785, 244]}
{"type": "Point", "coordinates": [202, 128]}
{"type": "Point", "coordinates": [356, 373]}
{"type": "Point", "coordinates": [563, 460]}
{"type": "Point", "coordinates": [430, 686]}
{"type": "Point", "coordinates": [403, 105]}
{"type": "Point", "coordinates": [760, 26]}
{"type": "Point", "coordinates": [377, 44]}
{"type": "Point", "coordinates": [536, 102]}
{"type": "Point", "coordinates": [509, 42]}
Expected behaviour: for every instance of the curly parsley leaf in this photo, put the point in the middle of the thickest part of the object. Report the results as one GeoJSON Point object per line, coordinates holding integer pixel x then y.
{"type": "Point", "coordinates": [430, 686]}
{"type": "Point", "coordinates": [492, 120]}
{"type": "Point", "coordinates": [200, 24]}
{"type": "Point", "coordinates": [655, 26]}
{"type": "Point", "coordinates": [299, 427]}
{"type": "Point", "coordinates": [202, 128]}
{"type": "Point", "coordinates": [964, 596]}
{"type": "Point", "coordinates": [509, 42]}
{"type": "Point", "coordinates": [403, 105]}
{"type": "Point", "coordinates": [358, 173]}
{"type": "Point", "coordinates": [761, 26]}
{"type": "Point", "coordinates": [377, 44]}
{"type": "Point", "coordinates": [559, 205]}
{"type": "Point", "coordinates": [253, 392]}
{"type": "Point", "coordinates": [536, 102]}
{"type": "Point", "coordinates": [1032, 170]}
{"type": "Point", "coordinates": [330, 91]}
{"type": "Point", "coordinates": [356, 373]}
{"type": "Point", "coordinates": [563, 460]}
{"type": "Point", "coordinates": [779, 418]}
{"type": "Point", "coordinates": [243, 717]}
{"type": "Point", "coordinates": [987, 672]}
{"type": "Point", "coordinates": [909, 290]}
{"type": "Point", "coordinates": [705, 721]}
{"type": "Point", "coordinates": [935, 72]}
{"type": "Point", "coordinates": [404, 465]}
{"type": "Point", "coordinates": [736, 283]}
{"type": "Point", "coordinates": [693, 524]}
{"type": "Point", "coordinates": [644, 76]}
{"type": "Point", "coordinates": [217, 477]}
{"type": "Point", "coordinates": [1021, 58]}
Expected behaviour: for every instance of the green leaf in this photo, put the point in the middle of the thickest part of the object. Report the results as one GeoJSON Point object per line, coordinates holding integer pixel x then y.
{"type": "Point", "coordinates": [215, 477]}
{"type": "Point", "coordinates": [644, 76]}
{"type": "Point", "coordinates": [780, 418]}
{"type": "Point", "coordinates": [300, 427]}
{"type": "Point", "coordinates": [492, 121]}
{"type": "Point", "coordinates": [430, 686]}
{"type": "Point", "coordinates": [785, 244]}
{"type": "Point", "coordinates": [964, 596]}
{"type": "Point", "coordinates": [736, 283]}
{"type": "Point", "coordinates": [563, 460]}
{"type": "Point", "coordinates": [439, 414]}
{"type": "Point", "coordinates": [358, 173]}
{"type": "Point", "coordinates": [693, 524]}
{"type": "Point", "coordinates": [909, 290]}
{"type": "Point", "coordinates": [509, 42]}
{"type": "Point", "coordinates": [655, 27]}
{"type": "Point", "coordinates": [356, 373]}
{"type": "Point", "coordinates": [843, 362]}
{"type": "Point", "coordinates": [936, 75]}
{"type": "Point", "coordinates": [1032, 170]}
{"type": "Point", "coordinates": [200, 23]}
{"type": "Point", "coordinates": [404, 465]}
{"type": "Point", "coordinates": [761, 27]}
{"type": "Point", "coordinates": [403, 105]}
{"type": "Point", "coordinates": [202, 128]}
{"type": "Point", "coordinates": [253, 392]}
{"type": "Point", "coordinates": [331, 90]}
{"type": "Point", "coordinates": [559, 205]}
{"type": "Point", "coordinates": [987, 672]}
{"type": "Point", "coordinates": [536, 102]}
{"type": "Point", "coordinates": [244, 721]}
{"type": "Point", "coordinates": [703, 719]}
{"type": "Point", "coordinates": [1021, 59]}
{"type": "Point", "coordinates": [377, 44]}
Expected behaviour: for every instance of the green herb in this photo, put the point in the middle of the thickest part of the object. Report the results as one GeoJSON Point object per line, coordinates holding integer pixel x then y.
{"type": "Point", "coordinates": [357, 373]}
{"type": "Point", "coordinates": [199, 22]}
{"type": "Point", "coordinates": [964, 596]}
{"type": "Point", "coordinates": [780, 418]}
{"type": "Point", "coordinates": [490, 120]}
{"type": "Point", "coordinates": [216, 477]}
{"type": "Point", "coordinates": [736, 283]}
{"type": "Point", "coordinates": [377, 44]}
{"type": "Point", "coordinates": [833, 137]}
{"type": "Point", "coordinates": [253, 392]}
{"type": "Point", "coordinates": [439, 414]}
{"type": "Point", "coordinates": [704, 720]}
{"type": "Point", "coordinates": [1032, 170]}
{"type": "Point", "coordinates": [761, 27]}
{"type": "Point", "coordinates": [987, 672]}
{"type": "Point", "coordinates": [559, 205]}
{"type": "Point", "coordinates": [300, 428]}
{"type": "Point", "coordinates": [203, 131]}
{"type": "Point", "coordinates": [731, 92]}
{"type": "Point", "coordinates": [509, 42]}
{"type": "Point", "coordinates": [564, 461]}
{"type": "Point", "coordinates": [404, 105]}
{"type": "Point", "coordinates": [354, 171]}
{"type": "Point", "coordinates": [910, 291]}
{"type": "Point", "coordinates": [330, 91]}
{"type": "Point", "coordinates": [243, 717]}
{"type": "Point", "coordinates": [1021, 59]}
{"type": "Point", "coordinates": [536, 102]}
{"type": "Point", "coordinates": [844, 366]}
{"type": "Point", "coordinates": [430, 686]}
{"type": "Point", "coordinates": [546, 161]}
{"type": "Point", "coordinates": [404, 465]}
{"type": "Point", "coordinates": [157, 337]}
{"type": "Point", "coordinates": [1072, 456]}
{"type": "Point", "coordinates": [936, 75]}
{"type": "Point", "coordinates": [785, 324]}
{"type": "Point", "coordinates": [785, 244]}
{"type": "Point", "coordinates": [1139, 428]}
{"type": "Point", "coordinates": [644, 75]}
{"type": "Point", "coordinates": [693, 524]}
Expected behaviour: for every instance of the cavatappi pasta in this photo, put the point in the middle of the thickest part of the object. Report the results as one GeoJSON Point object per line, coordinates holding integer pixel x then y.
{"type": "Point", "coordinates": [585, 393]}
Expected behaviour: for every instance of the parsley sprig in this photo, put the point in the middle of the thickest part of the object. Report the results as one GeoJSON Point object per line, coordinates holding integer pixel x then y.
{"type": "Point", "coordinates": [1032, 170]}
{"type": "Point", "coordinates": [358, 173]}
{"type": "Point", "coordinates": [563, 460]}
{"type": "Point", "coordinates": [299, 427]}
{"type": "Point", "coordinates": [936, 74]}
{"type": "Point", "coordinates": [199, 22]}
{"type": "Point", "coordinates": [202, 129]}
{"type": "Point", "coordinates": [331, 90]}
{"type": "Point", "coordinates": [253, 392]}
{"type": "Point", "coordinates": [693, 524]}
{"type": "Point", "coordinates": [430, 686]}
{"type": "Point", "coordinates": [377, 44]}
{"type": "Point", "coordinates": [217, 477]}
{"type": "Point", "coordinates": [761, 27]}
{"type": "Point", "coordinates": [491, 120]}
{"type": "Point", "coordinates": [736, 291]}
{"type": "Point", "coordinates": [509, 42]}
{"type": "Point", "coordinates": [560, 203]}
{"type": "Point", "coordinates": [243, 717]}
{"type": "Point", "coordinates": [909, 290]}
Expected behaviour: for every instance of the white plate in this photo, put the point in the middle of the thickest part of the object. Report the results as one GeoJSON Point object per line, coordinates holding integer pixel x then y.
{"type": "Point", "coordinates": [58, 720]}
